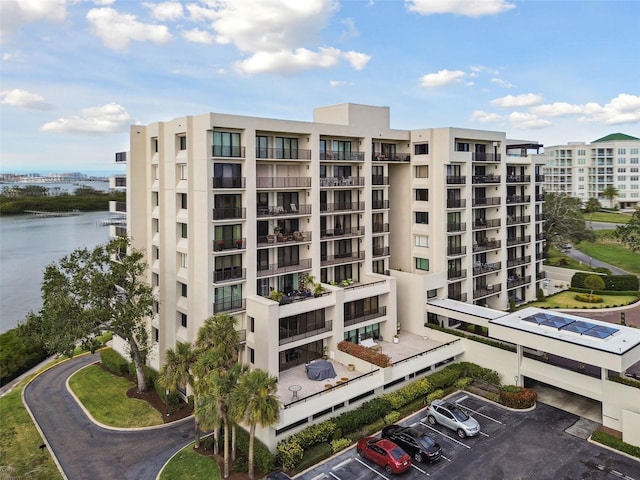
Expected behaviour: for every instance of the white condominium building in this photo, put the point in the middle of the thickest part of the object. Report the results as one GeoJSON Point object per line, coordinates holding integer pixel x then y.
{"type": "Point", "coordinates": [584, 170]}
{"type": "Point", "coordinates": [237, 213]}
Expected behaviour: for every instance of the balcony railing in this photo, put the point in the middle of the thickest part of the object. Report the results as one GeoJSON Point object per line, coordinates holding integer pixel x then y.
{"type": "Point", "coordinates": [485, 157]}
{"type": "Point", "coordinates": [482, 268]}
{"type": "Point", "coordinates": [511, 220]}
{"type": "Point", "coordinates": [341, 207]}
{"type": "Point", "coordinates": [284, 238]}
{"type": "Point", "coordinates": [518, 198]}
{"type": "Point", "coordinates": [456, 180]}
{"type": "Point", "coordinates": [541, 275]}
{"type": "Point", "coordinates": [342, 181]}
{"type": "Point", "coordinates": [456, 227]}
{"type": "Point", "coordinates": [481, 179]}
{"type": "Point", "coordinates": [341, 258]}
{"type": "Point", "coordinates": [486, 245]}
{"type": "Point", "coordinates": [456, 203]}
{"type": "Point", "coordinates": [284, 267]}
{"type": "Point", "coordinates": [456, 274]}
{"type": "Point", "coordinates": [342, 232]}
{"type": "Point", "coordinates": [485, 201]}
{"type": "Point", "coordinates": [456, 251]}
{"type": "Point", "coordinates": [229, 213]}
{"type": "Point", "coordinates": [283, 182]}
{"type": "Point", "coordinates": [514, 282]}
{"type": "Point", "coordinates": [327, 327]}
{"type": "Point", "coordinates": [337, 155]}
{"type": "Point", "coordinates": [381, 252]}
{"type": "Point", "coordinates": [229, 275]}
{"type": "Point", "coordinates": [540, 197]}
{"type": "Point", "coordinates": [227, 151]}
{"type": "Point", "coordinates": [462, 297]}
{"type": "Point", "coordinates": [379, 180]}
{"type": "Point", "coordinates": [487, 290]}
{"type": "Point", "coordinates": [278, 210]}
{"type": "Point", "coordinates": [540, 236]}
{"type": "Point", "coordinates": [229, 305]}
{"type": "Point", "coordinates": [540, 217]}
{"type": "Point", "coordinates": [380, 227]}
{"type": "Point", "coordinates": [283, 153]}
{"type": "Point", "coordinates": [514, 262]}
{"type": "Point", "coordinates": [379, 204]}
{"type": "Point", "coordinates": [511, 241]}
{"type": "Point", "coordinates": [518, 178]}
{"type": "Point", "coordinates": [539, 178]}
{"type": "Point", "coordinates": [480, 223]}
{"type": "Point", "coordinates": [120, 207]}
{"type": "Point", "coordinates": [396, 157]}
{"type": "Point", "coordinates": [230, 244]}
{"type": "Point", "coordinates": [229, 182]}
{"type": "Point", "coordinates": [359, 317]}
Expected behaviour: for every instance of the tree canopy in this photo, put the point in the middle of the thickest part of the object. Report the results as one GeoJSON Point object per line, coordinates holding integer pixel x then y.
{"type": "Point", "coordinates": [629, 234]}
{"type": "Point", "coordinates": [564, 222]}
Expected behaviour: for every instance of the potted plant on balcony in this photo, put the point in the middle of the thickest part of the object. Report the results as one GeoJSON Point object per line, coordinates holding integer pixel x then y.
{"type": "Point", "coordinates": [396, 338]}
{"type": "Point", "coordinates": [220, 244]}
{"type": "Point", "coordinates": [275, 295]}
{"type": "Point", "coordinates": [239, 242]}
{"type": "Point", "coordinates": [318, 290]}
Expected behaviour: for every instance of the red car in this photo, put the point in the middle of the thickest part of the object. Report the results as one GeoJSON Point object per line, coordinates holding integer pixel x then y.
{"type": "Point", "coordinates": [385, 453]}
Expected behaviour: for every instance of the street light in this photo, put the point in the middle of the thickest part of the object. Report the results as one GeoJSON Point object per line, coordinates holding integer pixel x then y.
{"type": "Point", "coordinates": [166, 401]}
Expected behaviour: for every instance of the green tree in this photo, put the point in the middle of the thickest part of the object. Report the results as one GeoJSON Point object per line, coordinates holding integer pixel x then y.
{"type": "Point", "coordinates": [593, 282]}
{"type": "Point", "coordinates": [91, 290]}
{"type": "Point", "coordinates": [610, 192]}
{"type": "Point", "coordinates": [629, 234]}
{"type": "Point", "coordinates": [255, 402]}
{"type": "Point", "coordinates": [592, 206]}
{"type": "Point", "coordinates": [564, 222]}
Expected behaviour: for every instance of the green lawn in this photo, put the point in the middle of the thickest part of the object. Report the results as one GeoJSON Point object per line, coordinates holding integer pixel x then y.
{"type": "Point", "coordinates": [105, 396]}
{"type": "Point", "coordinates": [188, 464]}
{"type": "Point", "coordinates": [565, 300]}
{"type": "Point", "coordinates": [611, 217]}
{"type": "Point", "coordinates": [612, 253]}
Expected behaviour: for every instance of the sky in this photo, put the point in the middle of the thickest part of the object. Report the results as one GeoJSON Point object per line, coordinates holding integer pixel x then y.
{"type": "Point", "coordinates": [75, 74]}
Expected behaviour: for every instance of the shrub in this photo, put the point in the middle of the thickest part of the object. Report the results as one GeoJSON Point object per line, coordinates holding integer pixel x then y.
{"type": "Point", "coordinates": [616, 443]}
{"type": "Point", "coordinates": [263, 459]}
{"type": "Point", "coordinates": [365, 353]}
{"type": "Point", "coordinates": [585, 297]}
{"type": "Point", "coordinates": [314, 434]}
{"type": "Point", "coordinates": [463, 382]}
{"type": "Point", "coordinates": [290, 453]}
{"type": "Point", "coordinates": [314, 455]}
{"type": "Point", "coordinates": [392, 417]}
{"type": "Point", "coordinates": [434, 396]}
{"type": "Point", "coordinates": [339, 444]}
{"type": "Point", "coordinates": [114, 362]}
{"type": "Point", "coordinates": [18, 353]}
{"type": "Point", "coordinates": [494, 397]}
{"type": "Point", "coordinates": [523, 398]}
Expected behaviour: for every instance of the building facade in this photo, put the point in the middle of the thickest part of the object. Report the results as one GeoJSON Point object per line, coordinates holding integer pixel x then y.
{"type": "Point", "coordinates": [584, 170]}
{"type": "Point", "coordinates": [241, 215]}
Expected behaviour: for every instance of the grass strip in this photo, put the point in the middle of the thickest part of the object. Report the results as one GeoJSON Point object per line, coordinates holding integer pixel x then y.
{"type": "Point", "coordinates": [188, 464]}
{"type": "Point", "coordinates": [566, 300]}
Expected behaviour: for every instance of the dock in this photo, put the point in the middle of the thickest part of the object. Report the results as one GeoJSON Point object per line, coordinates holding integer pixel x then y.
{"type": "Point", "coordinates": [44, 214]}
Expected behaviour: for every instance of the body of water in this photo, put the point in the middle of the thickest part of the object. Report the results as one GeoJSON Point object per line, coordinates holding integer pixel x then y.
{"type": "Point", "coordinates": [27, 245]}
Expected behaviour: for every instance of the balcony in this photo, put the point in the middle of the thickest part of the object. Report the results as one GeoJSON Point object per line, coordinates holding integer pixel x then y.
{"type": "Point", "coordinates": [381, 252]}
{"type": "Point", "coordinates": [230, 244]}
{"type": "Point", "coordinates": [456, 274]}
{"type": "Point", "coordinates": [456, 180]}
{"type": "Point", "coordinates": [229, 275]}
{"type": "Point", "coordinates": [229, 182]}
{"type": "Point", "coordinates": [485, 245]}
{"type": "Point", "coordinates": [516, 281]}
{"type": "Point", "coordinates": [518, 199]}
{"type": "Point", "coordinates": [482, 268]}
{"type": "Point", "coordinates": [540, 236]}
{"type": "Point", "coordinates": [283, 238]}
{"type": "Point", "coordinates": [227, 151]}
{"type": "Point", "coordinates": [282, 154]}
{"type": "Point", "coordinates": [518, 178]}
{"type": "Point", "coordinates": [380, 227]}
{"type": "Point", "coordinates": [339, 156]}
{"type": "Point", "coordinates": [540, 197]}
{"type": "Point", "coordinates": [484, 179]}
{"type": "Point", "coordinates": [229, 305]}
{"type": "Point", "coordinates": [379, 204]}
{"type": "Point", "coordinates": [341, 258]}
{"type": "Point", "coordinates": [341, 233]}
{"type": "Point", "coordinates": [395, 157]}
{"type": "Point", "coordinates": [485, 157]}
{"type": "Point", "coordinates": [342, 181]}
{"type": "Point", "coordinates": [379, 180]}
{"type": "Point", "coordinates": [456, 227]}
{"type": "Point", "coordinates": [456, 203]}
{"type": "Point", "coordinates": [121, 157]}
{"type": "Point", "coordinates": [229, 213]}
{"type": "Point", "coordinates": [456, 251]}
{"type": "Point", "coordinates": [514, 262]}
{"type": "Point", "coordinates": [287, 337]}
{"type": "Point", "coordinates": [540, 217]}
{"type": "Point", "coordinates": [486, 290]}
{"type": "Point", "coordinates": [482, 223]}
{"type": "Point", "coordinates": [541, 275]}
{"type": "Point", "coordinates": [359, 317]}
{"type": "Point", "coordinates": [280, 210]}
{"type": "Point", "coordinates": [283, 182]}
{"type": "Point", "coordinates": [486, 201]}
{"type": "Point", "coordinates": [461, 297]}
{"type": "Point", "coordinates": [511, 241]}
{"type": "Point", "coordinates": [342, 207]}
{"type": "Point", "coordinates": [283, 267]}
{"type": "Point", "coordinates": [539, 178]}
{"type": "Point", "coordinates": [511, 220]}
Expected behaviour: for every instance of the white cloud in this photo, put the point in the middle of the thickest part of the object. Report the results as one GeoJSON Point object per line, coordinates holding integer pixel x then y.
{"type": "Point", "coordinates": [511, 101]}
{"type": "Point", "coordinates": [527, 120]}
{"type": "Point", "coordinates": [287, 62]}
{"type": "Point", "coordinates": [198, 36]}
{"type": "Point", "coordinates": [340, 83]}
{"type": "Point", "coordinates": [357, 60]}
{"type": "Point", "coordinates": [109, 118]}
{"type": "Point", "coordinates": [502, 83]}
{"type": "Point", "coordinates": [15, 13]}
{"type": "Point", "coordinates": [117, 30]}
{"type": "Point", "coordinates": [624, 108]}
{"type": "Point", "coordinates": [24, 99]}
{"type": "Point", "coordinates": [165, 11]}
{"type": "Point", "coordinates": [469, 8]}
{"type": "Point", "coordinates": [557, 109]}
{"type": "Point", "coordinates": [351, 31]}
{"type": "Point", "coordinates": [442, 78]}
{"type": "Point", "coordinates": [485, 117]}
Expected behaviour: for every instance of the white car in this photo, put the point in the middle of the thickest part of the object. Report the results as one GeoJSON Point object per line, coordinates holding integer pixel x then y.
{"type": "Point", "coordinates": [452, 416]}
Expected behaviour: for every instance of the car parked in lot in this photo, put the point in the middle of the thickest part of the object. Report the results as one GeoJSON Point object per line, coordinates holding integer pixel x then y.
{"type": "Point", "coordinates": [385, 453]}
{"type": "Point", "coordinates": [415, 442]}
{"type": "Point", "coordinates": [452, 416]}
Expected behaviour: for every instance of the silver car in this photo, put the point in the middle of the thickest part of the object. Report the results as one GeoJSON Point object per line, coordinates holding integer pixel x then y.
{"type": "Point", "coordinates": [451, 416]}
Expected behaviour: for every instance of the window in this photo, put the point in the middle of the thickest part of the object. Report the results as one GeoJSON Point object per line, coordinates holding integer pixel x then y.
{"type": "Point", "coordinates": [422, 218]}
{"type": "Point", "coordinates": [155, 225]}
{"type": "Point", "coordinates": [155, 279]}
{"type": "Point", "coordinates": [422, 264]}
{"type": "Point", "coordinates": [286, 148]}
{"type": "Point", "coordinates": [183, 319]}
{"type": "Point", "coordinates": [226, 144]}
{"type": "Point", "coordinates": [183, 230]}
{"type": "Point", "coordinates": [182, 171]}
{"type": "Point", "coordinates": [633, 151]}
{"type": "Point", "coordinates": [154, 144]}
{"type": "Point", "coordinates": [262, 146]}
{"type": "Point", "coordinates": [154, 172]}
{"type": "Point", "coordinates": [462, 147]}
{"type": "Point", "coordinates": [582, 153]}
{"type": "Point", "coordinates": [421, 171]}
{"type": "Point", "coordinates": [252, 324]}
{"type": "Point", "coordinates": [183, 260]}
{"type": "Point", "coordinates": [154, 199]}
{"type": "Point", "coordinates": [421, 241]}
{"type": "Point", "coordinates": [422, 195]}
{"type": "Point", "coordinates": [182, 200]}
{"type": "Point", "coordinates": [621, 160]}
{"type": "Point", "coordinates": [182, 142]}
{"type": "Point", "coordinates": [421, 149]}
{"type": "Point", "coordinates": [183, 289]}
{"type": "Point", "coordinates": [252, 355]}
{"type": "Point", "coordinates": [633, 160]}
{"type": "Point", "coordinates": [156, 334]}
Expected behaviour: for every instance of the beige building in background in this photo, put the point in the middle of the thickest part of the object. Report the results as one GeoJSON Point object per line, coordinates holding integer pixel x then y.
{"type": "Point", "coordinates": [235, 212]}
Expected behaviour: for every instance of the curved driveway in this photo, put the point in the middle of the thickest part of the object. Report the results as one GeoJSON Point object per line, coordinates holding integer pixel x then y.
{"type": "Point", "coordinates": [86, 450]}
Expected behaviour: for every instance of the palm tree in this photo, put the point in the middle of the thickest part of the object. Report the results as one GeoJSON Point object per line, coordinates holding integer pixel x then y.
{"type": "Point", "coordinates": [610, 192]}
{"type": "Point", "coordinates": [176, 372]}
{"type": "Point", "coordinates": [592, 205]}
{"type": "Point", "coordinates": [256, 403]}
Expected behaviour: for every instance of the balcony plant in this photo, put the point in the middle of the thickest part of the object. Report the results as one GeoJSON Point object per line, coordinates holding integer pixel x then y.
{"type": "Point", "coordinates": [239, 242]}
{"type": "Point", "coordinates": [365, 353]}
{"type": "Point", "coordinates": [220, 244]}
{"type": "Point", "coordinates": [275, 295]}
{"type": "Point", "coordinates": [318, 290]}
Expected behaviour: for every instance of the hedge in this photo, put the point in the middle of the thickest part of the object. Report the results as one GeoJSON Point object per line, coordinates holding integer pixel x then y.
{"type": "Point", "coordinates": [616, 283]}
{"type": "Point", "coordinates": [263, 459]}
{"type": "Point", "coordinates": [17, 355]}
{"type": "Point", "coordinates": [523, 398]}
{"type": "Point", "coordinates": [365, 353]}
{"type": "Point", "coordinates": [616, 443]}
{"type": "Point", "coordinates": [114, 362]}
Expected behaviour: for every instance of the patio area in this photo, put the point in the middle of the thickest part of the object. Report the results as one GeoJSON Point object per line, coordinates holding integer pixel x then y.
{"type": "Point", "coordinates": [289, 381]}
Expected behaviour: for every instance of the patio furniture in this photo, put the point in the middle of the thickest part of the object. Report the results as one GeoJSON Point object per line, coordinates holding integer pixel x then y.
{"type": "Point", "coordinates": [294, 389]}
{"type": "Point", "coordinates": [320, 370]}
{"type": "Point", "coordinates": [369, 343]}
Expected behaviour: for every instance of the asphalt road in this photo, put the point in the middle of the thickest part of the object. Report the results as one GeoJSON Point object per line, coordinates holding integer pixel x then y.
{"type": "Point", "coordinates": [86, 450]}
{"type": "Point", "coordinates": [587, 260]}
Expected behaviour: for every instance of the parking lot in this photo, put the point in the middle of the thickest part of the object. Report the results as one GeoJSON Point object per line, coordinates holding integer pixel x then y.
{"type": "Point", "coordinates": [545, 443]}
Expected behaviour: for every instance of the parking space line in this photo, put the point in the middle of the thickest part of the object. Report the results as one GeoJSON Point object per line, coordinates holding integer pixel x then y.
{"type": "Point", "coordinates": [317, 477]}
{"type": "Point", "coordinates": [482, 433]}
{"type": "Point", "coordinates": [478, 413]}
{"type": "Point", "coordinates": [420, 470]}
{"type": "Point", "coordinates": [373, 470]}
{"type": "Point", "coordinates": [342, 463]}
{"type": "Point", "coordinates": [446, 458]}
{"type": "Point", "coordinates": [334, 475]}
{"type": "Point", "coordinates": [445, 435]}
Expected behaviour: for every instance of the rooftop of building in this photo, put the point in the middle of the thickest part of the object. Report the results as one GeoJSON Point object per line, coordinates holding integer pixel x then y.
{"type": "Point", "coordinates": [612, 137]}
